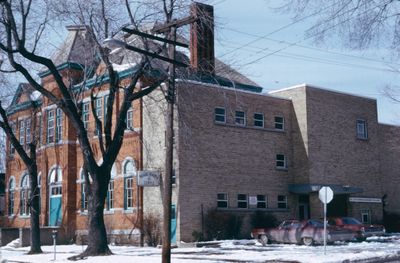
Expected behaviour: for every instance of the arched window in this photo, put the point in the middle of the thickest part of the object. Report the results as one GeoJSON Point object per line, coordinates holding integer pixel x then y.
{"type": "Point", "coordinates": [129, 173]}
{"type": "Point", "coordinates": [55, 181]}
{"type": "Point", "coordinates": [25, 195]}
{"type": "Point", "coordinates": [110, 191]}
{"type": "Point", "coordinates": [11, 192]}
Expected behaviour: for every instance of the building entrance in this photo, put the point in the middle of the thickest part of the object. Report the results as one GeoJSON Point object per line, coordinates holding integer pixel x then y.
{"type": "Point", "coordinates": [304, 207]}
{"type": "Point", "coordinates": [338, 206]}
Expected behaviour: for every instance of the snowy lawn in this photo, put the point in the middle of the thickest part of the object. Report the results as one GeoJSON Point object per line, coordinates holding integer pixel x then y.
{"type": "Point", "coordinates": [374, 249]}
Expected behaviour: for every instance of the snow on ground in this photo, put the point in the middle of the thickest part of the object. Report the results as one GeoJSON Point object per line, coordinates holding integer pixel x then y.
{"type": "Point", "coordinates": [374, 249]}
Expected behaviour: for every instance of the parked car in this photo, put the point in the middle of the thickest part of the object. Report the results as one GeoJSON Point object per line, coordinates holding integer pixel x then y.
{"type": "Point", "coordinates": [362, 231]}
{"type": "Point", "coordinates": [307, 232]}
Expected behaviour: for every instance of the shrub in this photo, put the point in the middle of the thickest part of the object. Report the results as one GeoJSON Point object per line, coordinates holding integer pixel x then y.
{"type": "Point", "coordinates": [391, 221]}
{"type": "Point", "coordinates": [151, 229]}
{"type": "Point", "coordinates": [260, 219]}
{"type": "Point", "coordinates": [222, 225]}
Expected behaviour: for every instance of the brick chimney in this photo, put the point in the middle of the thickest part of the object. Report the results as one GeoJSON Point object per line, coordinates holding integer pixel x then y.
{"type": "Point", "coordinates": [202, 38]}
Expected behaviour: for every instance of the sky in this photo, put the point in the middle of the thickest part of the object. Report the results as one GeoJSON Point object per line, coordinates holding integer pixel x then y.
{"type": "Point", "coordinates": [274, 62]}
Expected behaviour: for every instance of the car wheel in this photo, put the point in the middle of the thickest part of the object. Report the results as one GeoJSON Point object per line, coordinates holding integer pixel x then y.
{"type": "Point", "coordinates": [307, 241]}
{"type": "Point", "coordinates": [263, 239]}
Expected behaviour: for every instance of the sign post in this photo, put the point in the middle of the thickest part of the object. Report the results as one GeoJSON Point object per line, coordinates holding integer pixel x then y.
{"type": "Point", "coordinates": [325, 195]}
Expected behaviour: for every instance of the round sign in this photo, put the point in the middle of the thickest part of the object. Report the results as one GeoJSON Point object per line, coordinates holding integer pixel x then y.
{"type": "Point", "coordinates": [325, 194]}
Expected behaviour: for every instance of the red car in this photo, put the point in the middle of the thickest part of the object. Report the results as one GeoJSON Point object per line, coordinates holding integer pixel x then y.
{"type": "Point", "coordinates": [307, 232]}
{"type": "Point", "coordinates": [361, 230]}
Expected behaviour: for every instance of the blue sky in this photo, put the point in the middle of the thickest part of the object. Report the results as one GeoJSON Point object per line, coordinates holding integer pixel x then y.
{"type": "Point", "coordinates": [276, 63]}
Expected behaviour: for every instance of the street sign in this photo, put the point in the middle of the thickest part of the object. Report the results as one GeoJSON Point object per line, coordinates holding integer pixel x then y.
{"type": "Point", "coordinates": [325, 194]}
{"type": "Point", "coordinates": [149, 178]}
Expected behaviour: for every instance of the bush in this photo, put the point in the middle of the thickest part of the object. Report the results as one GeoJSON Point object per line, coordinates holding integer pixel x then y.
{"type": "Point", "coordinates": [260, 219]}
{"type": "Point", "coordinates": [152, 229]}
{"type": "Point", "coordinates": [222, 225]}
{"type": "Point", "coordinates": [391, 221]}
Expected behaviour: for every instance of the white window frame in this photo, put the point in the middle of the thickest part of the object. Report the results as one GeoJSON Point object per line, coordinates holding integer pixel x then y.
{"type": "Point", "coordinates": [50, 126]}
{"type": "Point", "coordinates": [11, 196]}
{"type": "Point", "coordinates": [216, 115]}
{"type": "Point", "coordinates": [265, 201]}
{"type": "Point", "coordinates": [258, 120]}
{"type": "Point", "coordinates": [279, 161]}
{"type": "Point", "coordinates": [21, 127]}
{"type": "Point", "coordinates": [367, 213]}
{"type": "Point", "coordinates": [362, 129]}
{"type": "Point", "coordinates": [28, 138]}
{"type": "Point", "coordinates": [282, 202]}
{"type": "Point", "coordinates": [240, 120]}
{"type": "Point", "coordinates": [129, 184]}
{"type": "Point", "coordinates": [24, 195]}
{"type": "Point", "coordinates": [222, 200]}
{"type": "Point", "coordinates": [129, 119]}
{"type": "Point", "coordinates": [59, 125]}
{"type": "Point", "coordinates": [242, 201]}
{"type": "Point", "coordinates": [277, 123]}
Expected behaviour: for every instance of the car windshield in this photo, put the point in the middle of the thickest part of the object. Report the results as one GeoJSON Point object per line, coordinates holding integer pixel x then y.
{"type": "Point", "coordinates": [350, 221]}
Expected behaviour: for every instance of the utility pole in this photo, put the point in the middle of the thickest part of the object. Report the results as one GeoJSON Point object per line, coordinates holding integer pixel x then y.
{"type": "Point", "coordinates": [169, 134]}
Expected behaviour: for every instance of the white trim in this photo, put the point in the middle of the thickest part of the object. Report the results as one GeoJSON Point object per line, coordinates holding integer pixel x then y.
{"type": "Point", "coordinates": [233, 89]}
{"type": "Point", "coordinates": [263, 120]}
{"type": "Point", "coordinates": [305, 85]}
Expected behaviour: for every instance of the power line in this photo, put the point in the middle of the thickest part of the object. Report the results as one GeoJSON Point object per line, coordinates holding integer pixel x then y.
{"type": "Point", "coordinates": [295, 43]}
{"type": "Point", "coordinates": [277, 30]}
{"type": "Point", "coordinates": [309, 47]}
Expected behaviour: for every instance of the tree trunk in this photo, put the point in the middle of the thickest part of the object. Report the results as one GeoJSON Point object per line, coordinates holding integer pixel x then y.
{"type": "Point", "coordinates": [97, 237]}
{"type": "Point", "coordinates": [34, 210]}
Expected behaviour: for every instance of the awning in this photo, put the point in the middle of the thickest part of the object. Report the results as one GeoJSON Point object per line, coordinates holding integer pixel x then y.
{"type": "Point", "coordinates": [310, 188]}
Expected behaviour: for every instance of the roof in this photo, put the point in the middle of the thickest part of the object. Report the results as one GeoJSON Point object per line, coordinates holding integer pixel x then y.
{"type": "Point", "coordinates": [20, 102]}
{"type": "Point", "coordinates": [76, 49]}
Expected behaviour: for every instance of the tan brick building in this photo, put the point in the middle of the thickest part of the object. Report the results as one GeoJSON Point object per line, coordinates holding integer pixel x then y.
{"type": "Point", "coordinates": [236, 149]}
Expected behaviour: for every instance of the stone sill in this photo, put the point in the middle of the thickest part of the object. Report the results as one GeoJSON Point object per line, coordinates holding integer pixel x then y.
{"type": "Point", "coordinates": [249, 127]}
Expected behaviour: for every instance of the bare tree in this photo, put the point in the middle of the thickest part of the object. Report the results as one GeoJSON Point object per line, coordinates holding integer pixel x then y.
{"type": "Point", "coordinates": [23, 25]}
{"type": "Point", "coordinates": [359, 23]}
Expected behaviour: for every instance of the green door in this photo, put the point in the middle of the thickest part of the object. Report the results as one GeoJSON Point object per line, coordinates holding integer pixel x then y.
{"type": "Point", "coordinates": [173, 224]}
{"type": "Point", "coordinates": [55, 213]}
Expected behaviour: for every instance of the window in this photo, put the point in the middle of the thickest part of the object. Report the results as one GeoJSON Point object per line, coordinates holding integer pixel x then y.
{"type": "Point", "coordinates": [281, 161]}
{"type": "Point", "coordinates": [110, 195]}
{"type": "Point", "coordinates": [25, 195]}
{"type": "Point", "coordinates": [129, 119]}
{"type": "Point", "coordinates": [13, 128]}
{"type": "Point", "coordinates": [366, 216]}
{"type": "Point", "coordinates": [220, 115]}
{"type": "Point", "coordinates": [55, 182]}
{"type": "Point", "coordinates": [98, 105]}
{"type": "Point", "coordinates": [85, 115]}
{"type": "Point", "coordinates": [84, 197]}
{"type": "Point", "coordinates": [240, 118]}
{"type": "Point", "coordinates": [21, 125]}
{"type": "Point", "coordinates": [28, 133]}
{"type": "Point", "coordinates": [259, 120]}
{"type": "Point", "coordinates": [110, 190]}
{"type": "Point", "coordinates": [261, 201]}
{"type": "Point", "coordinates": [279, 123]}
{"type": "Point", "coordinates": [282, 201]}
{"type": "Point", "coordinates": [59, 125]}
{"type": "Point", "coordinates": [129, 172]}
{"type": "Point", "coordinates": [50, 126]}
{"type": "Point", "coordinates": [105, 108]}
{"type": "Point", "coordinates": [11, 197]}
{"type": "Point", "coordinates": [242, 200]}
{"type": "Point", "coordinates": [222, 200]}
{"type": "Point", "coordinates": [362, 131]}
